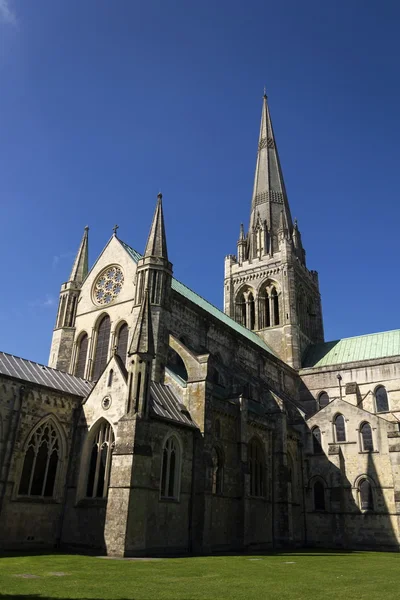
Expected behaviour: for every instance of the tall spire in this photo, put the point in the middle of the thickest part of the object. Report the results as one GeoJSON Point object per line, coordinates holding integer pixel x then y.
{"type": "Point", "coordinates": [143, 339]}
{"type": "Point", "coordinates": [269, 193]}
{"type": "Point", "coordinates": [157, 242]}
{"type": "Point", "coordinates": [80, 266]}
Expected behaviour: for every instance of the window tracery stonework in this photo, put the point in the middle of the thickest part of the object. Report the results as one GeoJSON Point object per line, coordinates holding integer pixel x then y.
{"type": "Point", "coordinates": [108, 285]}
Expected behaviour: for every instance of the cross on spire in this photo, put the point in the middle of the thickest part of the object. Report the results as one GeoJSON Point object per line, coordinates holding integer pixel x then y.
{"type": "Point", "coordinates": [115, 229]}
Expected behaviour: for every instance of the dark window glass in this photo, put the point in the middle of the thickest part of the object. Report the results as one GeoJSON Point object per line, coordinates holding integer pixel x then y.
{"type": "Point", "coordinates": [366, 436]}
{"type": "Point", "coordinates": [323, 399]}
{"type": "Point", "coordinates": [319, 496]}
{"type": "Point", "coordinates": [40, 466]}
{"type": "Point", "coordinates": [217, 471]}
{"type": "Point", "coordinates": [170, 469]}
{"type": "Point", "coordinates": [381, 398]}
{"type": "Point", "coordinates": [252, 315]}
{"type": "Point", "coordinates": [101, 354]}
{"type": "Point", "coordinates": [256, 467]}
{"type": "Point", "coordinates": [217, 428]}
{"type": "Point", "coordinates": [367, 500]}
{"type": "Point", "coordinates": [317, 448]}
{"type": "Point", "coordinates": [82, 354]}
{"type": "Point", "coordinates": [110, 378]}
{"type": "Point", "coordinates": [122, 346]}
{"type": "Point", "coordinates": [275, 300]}
{"type": "Point", "coordinates": [340, 429]}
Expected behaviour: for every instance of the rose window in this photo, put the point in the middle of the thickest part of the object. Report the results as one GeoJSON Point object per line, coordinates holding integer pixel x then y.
{"type": "Point", "coordinates": [108, 285]}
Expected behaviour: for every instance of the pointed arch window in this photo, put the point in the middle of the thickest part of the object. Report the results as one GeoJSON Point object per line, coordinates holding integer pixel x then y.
{"type": "Point", "coordinates": [257, 469]}
{"type": "Point", "coordinates": [41, 462]}
{"type": "Point", "coordinates": [122, 345]}
{"type": "Point", "coordinates": [264, 310]}
{"type": "Point", "coordinates": [100, 461]}
{"type": "Point", "coordinates": [366, 438]}
{"type": "Point", "coordinates": [82, 355]}
{"type": "Point", "coordinates": [251, 314]}
{"type": "Point", "coordinates": [323, 399]}
{"type": "Point", "coordinates": [340, 429]}
{"type": "Point", "coordinates": [381, 399]}
{"type": "Point", "coordinates": [319, 495]}
{"type": "Point", "coordinates": [275, 305]}
{"type": "Point", "coordinates": [240, 309]}
{"type": "Point", "coordinates": [217, 471]}
{"type": "Point", "coordinates": [101, 352]}
{"type": "Point", "coordinates": [170, 469]}
{"type": "Point", "coordinates": [366, 495]}
{"type": "Point", "coordinates": [316, 438]}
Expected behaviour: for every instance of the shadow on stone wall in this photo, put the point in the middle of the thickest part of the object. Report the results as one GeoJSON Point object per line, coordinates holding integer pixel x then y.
{"type": "Point", "coordinates": [343, 524]}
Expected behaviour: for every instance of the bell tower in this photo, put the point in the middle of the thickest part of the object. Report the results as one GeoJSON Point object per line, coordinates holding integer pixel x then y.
{"type": "Point", "coordinates": [268, 287]}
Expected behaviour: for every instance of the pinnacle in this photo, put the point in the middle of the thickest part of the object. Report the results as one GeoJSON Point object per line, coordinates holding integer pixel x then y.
{"type": "Point", "coordinates": [80, 266]}
{"type": "Point", "coordinates": [143, 339]}
{"type": "Point", "coordinates": [157, 242]}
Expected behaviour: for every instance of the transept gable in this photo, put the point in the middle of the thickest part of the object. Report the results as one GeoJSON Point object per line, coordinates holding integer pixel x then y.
{"type": "Point", "coordinates": [340, 406]}
{"type": "Point", "coordinates": [113, 255]}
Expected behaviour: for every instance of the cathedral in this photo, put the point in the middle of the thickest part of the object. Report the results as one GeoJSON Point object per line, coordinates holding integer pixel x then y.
{"type": "Point", "coordinates": [163, 425]}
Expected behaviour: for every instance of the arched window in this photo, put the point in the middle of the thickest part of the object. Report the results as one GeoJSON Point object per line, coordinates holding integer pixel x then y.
{"type": "Point", "coordinates": [41, 462]}
{"type": "Point", "coordinates": [366, 437]}
{"type": "Point", "coordinates": [366, 496]}
{"type": "Point", "coordinates": [101, 352]}
{"type": "Point", "coordinates": [251, 315]}
{"type": "Point", "coordinates": [240, 309]}
{"type": "Point", "coordinates": [381, 399]}
{"type": "Point", "coordinates": [257, 468]}
{"type": "Point", "coordinates": [110, 378]}
{"type": "Point", "coordinates": [323, 399]}
{"type": "Point", "coordinates": [82, 354]}
{"type": "Point", "coordinates": [264, 311]}
{"type": "Point", "coordinates": [319, 495]}
{"type": "Point", "coordinates": [275, 305]}
{"type": "Point", "coordinates": [316, 437]}
{"type": "Point", "coordinates": [122, 344]}
{"type": "Point", "coordinates": [217, 471]}
{"type": "Point", "coordinates": [340, 429]}
{"type": "Point", "coordinates": [100, 460]}
{"type": "Point", "coordinates": [170, 469]}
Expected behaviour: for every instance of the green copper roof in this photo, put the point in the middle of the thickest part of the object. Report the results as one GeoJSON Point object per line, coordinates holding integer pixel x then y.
{"type": "Point", "coordinates": [362, 347]}
{"type": "Point", "coordinates": [183, 290]}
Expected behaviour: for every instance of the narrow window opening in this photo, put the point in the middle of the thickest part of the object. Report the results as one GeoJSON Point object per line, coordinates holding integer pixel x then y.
{"type": "Point", "coordinates": [366, 437]}
{"type": "Point", "coordinates": [100, 462]}
{"type": "Point", "coordinates": [340, 429]}
{"type": "Point", "coordinates": [319, 496]}
{"type": "Point", "coordinates": [381, 399]}
{"type": "Point", "coordinates": [122, 345]}
{"type": "Point", "coordinates": [170, 469]}
{"type": "Point", "coordinates": [317, 447]}
{"type": "Point", "coordinates": [110, 378]}
{"type": "Point", "coordinates": [101, 353]}
{"type": "Point", "coordinates": [82, 355]}
{"type": "Point", "coordinates": [366, 496]}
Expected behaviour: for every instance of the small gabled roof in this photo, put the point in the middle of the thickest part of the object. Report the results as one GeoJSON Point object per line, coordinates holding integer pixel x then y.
{"type": "Point", "coordinates": [165, 403]}
{"type": "Point", "coordinates": [186, 292]}
{"type": "Point", "coordinates": [27, 370]}
{"type": "Point", "coordinates": [354, 349]}
{"type": "Point", "coordinates": [340, 401]}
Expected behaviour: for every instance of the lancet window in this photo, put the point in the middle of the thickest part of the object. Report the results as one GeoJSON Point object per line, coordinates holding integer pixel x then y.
{"type": "Point", "coordinates": [100, 461]}
{"type": "Point", "coordinates": [41, 462]}
{"type": "Point", "coordinates": [340, 429]}
{"type": "Point", "coordinates": [319, 495]}
{"type": "Point", "coordinates": [82, 350]}
{"type": "Point", "coordinates": [170, 469]}
{"type": "Point", "coordinates": [101, 352]}
{"type": "Point", "coordinates": [381, 399]}
{"type": "Point", "coordinates": [366, 437]}
{"type": "Point", "coordinates": [245, 313]}
{"type": "Point", "coordinates": [316, 433]}
{"type": "Point", "coordinates": [257, 468]}
{"type": "Point", "coordinates": [122, 342]}
{"type": "Point", "coordinates": [268, 307]}
{"type": "Point", "coordinates": [217, 471]}
{"type": "Point", "coordinates": [366, 495]}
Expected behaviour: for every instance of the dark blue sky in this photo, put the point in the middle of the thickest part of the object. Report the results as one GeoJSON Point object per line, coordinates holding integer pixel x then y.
{"type": "Point", "coordinates": [104, 103]}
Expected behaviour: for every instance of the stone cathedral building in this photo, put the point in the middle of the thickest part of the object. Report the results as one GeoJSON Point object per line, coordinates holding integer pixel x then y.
{"type": "Point", "coordinates": [163, 425]}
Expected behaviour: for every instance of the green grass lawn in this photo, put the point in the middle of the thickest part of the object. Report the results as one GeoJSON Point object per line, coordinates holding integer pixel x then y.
{"type": "Point", "coordinates": [291, 576]}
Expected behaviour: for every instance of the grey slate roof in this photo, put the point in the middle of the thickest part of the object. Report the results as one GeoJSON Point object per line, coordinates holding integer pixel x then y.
{"type": "Point", "coordinates": [165, 404]}
{"type": "Point", "coordinates": [26, 370]}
